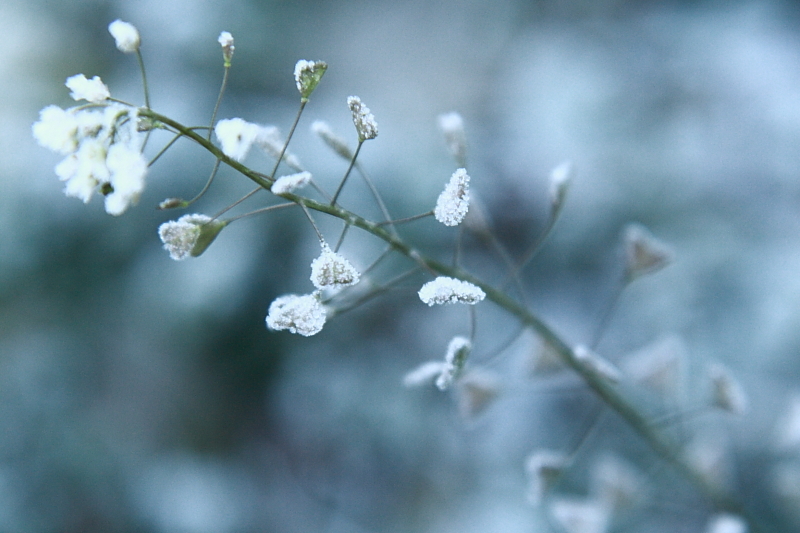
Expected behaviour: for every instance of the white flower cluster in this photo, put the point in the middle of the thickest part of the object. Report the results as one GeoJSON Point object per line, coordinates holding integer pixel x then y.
{"type": "Point", "coordinates": [453, 203]}
{"type": "Point", "coordinates": [180, 236]}
{"type": "Point", "coordinates": [299, 314]}
{"type": "Point", "coordinates": [290, 183]}
{"type": "Point", "coordinates": [102, 145]}
{"type": "Point", "coordinates": [364, 121]}
{"type": "Point", "coordinates": [332, 271]}
{"type": "Point", "coordinates": [444, 290]}
{"type": "Point", "coordinates": [236, 136]}
{"type": "Point", "coordinates": [125, 35]}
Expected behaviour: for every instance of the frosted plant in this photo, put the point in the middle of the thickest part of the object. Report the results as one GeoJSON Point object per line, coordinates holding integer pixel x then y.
{"type": "Point", "coordinates": [446, 290]}
{"type": "Point", "coordinates": [125, 35]}
{"type": "Point", "coordinates": [189, 236]}
{"type": "Point", "coordinates": [424, 374]}
{"type": "Point", "coordinates": [304, 315]}
{"type": "Point", "coordinates": [543, 468]}
{"type": "Point", "coordinates": [363, 120]}
{"type": "Point", "coordinates": [453, 204]}
{"type": "Point", "coordinates": [94, 90]}
{"type": "Point", "coordinates": [225, 40]}
{"type": "Point", "coordinates": [307, 75]}
{"type": "Point", "coordinates": [454, 360]}
{"type": "Point", "coordinates": [236, 137]}
{"type": "Point", "coordinates": [332, 271]}
{"type": "Point", "coordinates": [127, 170]}
{"type": "Point", "coordinates": [290, 183]}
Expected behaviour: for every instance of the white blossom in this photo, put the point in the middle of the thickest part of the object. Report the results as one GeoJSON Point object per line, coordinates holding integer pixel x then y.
{"type": "Point", "coordinates": [332, 271]}
{"type": "Point", "coordinates": [307, 75]}
{"type": "Point", "coordinates": [337, 144]}
{"type": "Point", "coordinates": [268, 138]}
{"type": "Point", "coordinates": [727, 393]}
{"type": "Point", "coordinates": [84, 170]}
{"type": "Point", "coordinates": [452, 125]}
{"type": "Point", "coordinates": [543, 468]}
{"type": "Point", "coordinates": [128, 169]}
{"type": "Point", "coordinates": [726, 523]}
{"type": "Point", "coordinates": [236, 137]}
{"type": "Point", "coordinates": [180, 236]}
{"type": "Point", "coordinates": [596, 364]}
{"type": "Point", "coordinates": [644, 253]}
{"type": "Point", "coordinates": [57, 130]}
{"type": "Point", "coordinates": [454, 360]}
{"type": "Point", "coordinates": [445, 290]}
{"type": "Point", "coordinates": [126, 36]}
{"type": "Point", "coordinates": [290, 183]}
{"type": "Point", "coordinates": [453, 203]}
{"type": "Point", "coordinates": [364, 121]}
{"type": "Point", "coordinates": [94, 90]}
{"type": "Point", "coordinates": [225, 40]}
{"type": "Point", "coordinates": [299, 314]}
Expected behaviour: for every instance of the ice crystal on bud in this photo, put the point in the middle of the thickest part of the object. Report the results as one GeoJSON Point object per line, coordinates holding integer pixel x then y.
{"type": "Point", "coordinates": [181, 236]}
{"type": "Point", "coordinates": [454, 361]}
{"type": "Point", "coordinates": [332, 271]}
{"type": "Point", "coordinates": [225, 40]}
{"type": "Point", "coordinates": [126, 36]}
{"type": "Point", "coordinates": [728, 394]}
{"type": "Point", "coordinates": [94, 90]}
{"type": "Point", "coordinates": [236, 137]}
{"type": "Point", "coordinates": [338, 145]}
{"type": "Point", "coordinates": [452, 125]}
{"type": "Point", "coordinates": [290, 183]}
{"type": "Point", "coordinates": [307, 75]}
{"type": "Point", "coordinates": [453, 203]}
{"type": "Point", "coordinates": [560, 179]}
{"type": "Point", "coordinates": [596, 364]}
{"type": "Point", "coordinates": [364, 121]}
{"type": "Point", "coordinates": [543, 468]}
{"type": "Point", "coordinates": [444, 290]}
{"type": "Point", "coordinates": [644, 253]}
{"type": "Point", "coordinates": [726, 523]}
{"type": "Point", "coordinates": [299, 314]}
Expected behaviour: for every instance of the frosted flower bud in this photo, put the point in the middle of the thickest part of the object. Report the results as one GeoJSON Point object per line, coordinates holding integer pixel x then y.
{"type": "Point", "coordinates": [452, 125]}
{"type": "Point", "coordinates": [726, 523]}
{"type": "Point", "coordinates": [332, 271]}
{"type": "Point", "coordinates": [268, 138]}
{"type": "Point", "coordinates": [424, 373]}
{"type": "Point", "coordinates": [94, 90]}
{"type": "Point", "coordinates": [335, 143]}
{"type": "Point", "coordinates": [596, 364]}
{"type": "Point", "coordinates": [543, 468]}
{"type": "Point", "coordinates": [236, 137]}
{"type": "Point", "coordinates": [444, 290]}
{"type": "Point", "coordinates": [225, 40]}
{"type": "Point", "coordinates": [84, 170]}
{"type": "Point", "coordinates": [126, 36]}
{"type": "Point", "coordinates": [560, 179]}
{"type": "Point", "coordinates": [299, 314]}
{"type": "Point", "coordinates": [453, 203]}
{"type": "Point", "coordinates": [172, 203]}
{"type": "Point", "coordinates": [364, 121]}
{"type": "Point", "coordinates": [190, 235]}
{"type": "Point", "coordinates": [477, 389]}
{"type": "Point", "coordinates": [644, 253]}
{"type": "Point", "coordinates": [128, 169]}
{"type": "Point", "coordinates": [56, 130]}
{"type": "Point", "coordinates": [307, 75]}
{"type": "Point", "coordinates": [290, 183]}
{"type": "Point", "coordinates": [454, 361]}
{"type": "Point", "coordinates": [581, 516]}
{"type": "Point", "coordinates": [728, 394]}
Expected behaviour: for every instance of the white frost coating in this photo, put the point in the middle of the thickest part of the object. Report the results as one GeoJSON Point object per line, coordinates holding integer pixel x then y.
{"type": "Point", "coordinates": [364, 121]}
{"type": "Point", "coordinates": [299, 314]}
{"type": "Point", "coordinates": [454, 361]}
{"type": "Point", "coordinates": [128, 169]}
{"type": "Point", "coordinates": [444, 290]}
{"type": "Point", "coordinates": [290, 183]}
{"type": "Point", "coordinates": [126, 36]}
{"type": "Point", "coordinates": [332, 271]}
{"type": "Point", "coordinates": [236, 137]}
{"type": "Point", "coordinates": [225, 40]}
{"type": "Point", "coordinates": [180, 236]}
{"type": "Point", "coordinates": [94, 90]}
{"type": "Point", "coordinates": [424, 373]}
{"type": "Point", "coordinates": [453, 202]}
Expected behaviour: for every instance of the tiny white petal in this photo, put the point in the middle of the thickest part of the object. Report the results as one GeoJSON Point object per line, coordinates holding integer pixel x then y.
{"type": "Point", "coordinates": [299, 314]}
{"type": "Point", "coordinates": [560, 179]}
{"type": "Point", "coordinates": [290, 183]}
{"type": "Point", "coordinates": [236, 137]}
{"type": "Point", "coordinates": [445, 290]}
{"type": "Point", "coordinates": [225, 40]}
{"type": "Point", "coordinates": [94, 90]}
{"type": "Point", "coordinates": [57, 130]}
{"type": "Point", "coordinates": [126, 36]}
{"type": "Point", "coordinates": [128, 169]}
{"type": "Point", "coordinates": [453, 203]}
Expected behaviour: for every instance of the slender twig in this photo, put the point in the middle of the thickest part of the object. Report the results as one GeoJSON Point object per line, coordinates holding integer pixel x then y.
{"type": "Point", "coordinates": [219, 99]}
{"type": "Point", "coordinates": [347, 174]}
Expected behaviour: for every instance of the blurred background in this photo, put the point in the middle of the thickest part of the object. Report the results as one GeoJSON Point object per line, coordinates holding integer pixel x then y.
{"type": "Point", "coordinates": [142, 394]}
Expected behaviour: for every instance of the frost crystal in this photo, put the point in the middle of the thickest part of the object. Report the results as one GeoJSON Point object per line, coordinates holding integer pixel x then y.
{"type": "Point", "coordinates": [454, 361]}
{"type": "Point", "coordinates": [332, 271]}
{"type": "Point", "coordinates": [307, 75]}
{"type": "Point", "coordinates": [236, 137]}
{"type": "Point", "coordinates": [180, 236]}
{"type": "Point", "coordinates": [94, 90]}
{"type": "Point", "coordinates": [338, 145]}
{"type": "Point", "coordinates": [126, 36]}
{"type": "Point", "coordinates": [299, 314]}
{"type": "Point", "coordinates": [728, 393]}
{"type": "Point", "coordinates": [444, 290]}
{"type": "Point", "coordinates": [290, 183]}
{"type": "Point", "coordinates": [225, 40]}
{"type": "Point", "coordinates": [645, 253]}
{"type": "Point", "coordinates": [364, 121]}
{"type": "Point", "coordinates": [543, 468]}
{"type": "Point", "coordinates": [452, 126]}
{"type": "Point", "coordinates": [453, 203]}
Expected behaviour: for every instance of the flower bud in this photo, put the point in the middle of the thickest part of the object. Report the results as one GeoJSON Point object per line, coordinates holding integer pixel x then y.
{"type": "Point", "coordinates": [126, 36]}
{"type": "Point", "coordinates": [307, 75]}
{"type": "Point", "coordinates": [363, 120]}
{"type": "Point", "coordinates": [225, 40]}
